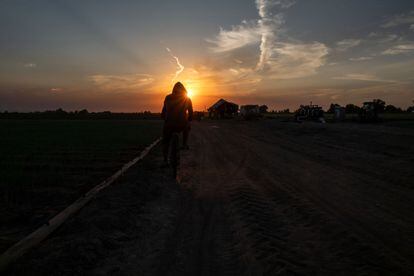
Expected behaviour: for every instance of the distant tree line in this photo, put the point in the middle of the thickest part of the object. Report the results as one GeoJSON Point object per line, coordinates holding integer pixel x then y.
{"type": "Point", "coordinates": [78, 115]}
{"type": "Point", "coordinates": [380, 106]}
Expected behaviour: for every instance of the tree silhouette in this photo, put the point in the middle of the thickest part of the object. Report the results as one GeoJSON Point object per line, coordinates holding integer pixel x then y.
{"type": "Point", "coordinates": [332, 108]}
{"type": "Point", "coordinates": [379, 105]}
{"type": "Point", "coordinates": [351, 108]}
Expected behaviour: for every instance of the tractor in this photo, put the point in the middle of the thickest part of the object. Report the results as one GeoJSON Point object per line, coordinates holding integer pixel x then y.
{"type": "Point", "coordinates": [310, 112]}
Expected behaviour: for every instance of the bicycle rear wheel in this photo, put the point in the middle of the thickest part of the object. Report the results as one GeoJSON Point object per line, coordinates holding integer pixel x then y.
{"type": "Point", "coordinates": [175, 154]}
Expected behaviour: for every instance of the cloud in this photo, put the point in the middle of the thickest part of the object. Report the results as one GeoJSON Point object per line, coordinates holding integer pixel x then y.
{"type": "Point", "coordinates": [361, 77]}
{"type": "Point", "coordinates": [412, 27]}
{"type": "Point", "coordinates": [383, 38]}
{"type": "Point", "coordinates": [400, 19]}
{"type": "Point", "coordinates": [278, 59]}
{"type": "Point", "coordinates": [269, 24]}
{"type": "Point", "coordinates": [361, 58]}
{"type": "Point", "coordinates": [180, 67]}
{"type": "Point", "coordinates": [121, 82]}
{"type": "Point", "coordinates": [30, 65]}
{"type": "Point", "coordinates": [235, 77]}
{"type": "Point", "coordinates": [296, 60]}
{"type": "Point", "coordinates": [264, 6]}
{"type": "Point", "coordinates": [56, 90]}
{"type": "Point", "coordinates": [399, 49]}
{"type": "Point", "coordinates": [239, 36]}
{"type": "Point", "coordinates": [346, 44]}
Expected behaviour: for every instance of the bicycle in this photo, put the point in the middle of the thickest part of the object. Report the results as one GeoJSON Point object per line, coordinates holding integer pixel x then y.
{"type": "Point", "coordinates": [174, 154]}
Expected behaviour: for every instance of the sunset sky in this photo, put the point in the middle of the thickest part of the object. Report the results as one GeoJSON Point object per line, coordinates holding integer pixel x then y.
{"type": "Point", "coordinates": [125, 55]}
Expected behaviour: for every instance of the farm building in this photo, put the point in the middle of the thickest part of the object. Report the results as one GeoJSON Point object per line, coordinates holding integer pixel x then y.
{"type": "Point", "coordinates": [250, 111]}
{"type": "Point", "coordinates": [250, 108]}
{"type": "Point", "coordinates": [223, 109]}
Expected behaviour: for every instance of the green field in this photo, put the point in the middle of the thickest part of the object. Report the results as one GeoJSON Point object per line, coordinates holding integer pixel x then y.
{"type": "Point", "coordinates": [46, 164]}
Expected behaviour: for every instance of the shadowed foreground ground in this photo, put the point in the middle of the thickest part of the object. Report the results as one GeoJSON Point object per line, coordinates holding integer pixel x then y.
{"type": "Point", "coordinates": [255, 198]}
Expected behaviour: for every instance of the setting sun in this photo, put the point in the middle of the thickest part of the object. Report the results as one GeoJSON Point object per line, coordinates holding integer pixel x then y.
{"type": "Point", "coordinates": [190, 93]}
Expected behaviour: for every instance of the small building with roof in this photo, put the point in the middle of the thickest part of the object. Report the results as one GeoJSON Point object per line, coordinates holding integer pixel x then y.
{"type": "Point", "coordinates": [223, 109]}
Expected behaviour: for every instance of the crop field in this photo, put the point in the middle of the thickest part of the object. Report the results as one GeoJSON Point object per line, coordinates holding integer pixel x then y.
{"type": "Point", "coordinates": [47, 164]}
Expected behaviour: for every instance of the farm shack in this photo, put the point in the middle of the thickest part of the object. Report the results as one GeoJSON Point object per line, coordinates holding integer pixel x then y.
{"type": "Point", "coordinates": [223, 109]}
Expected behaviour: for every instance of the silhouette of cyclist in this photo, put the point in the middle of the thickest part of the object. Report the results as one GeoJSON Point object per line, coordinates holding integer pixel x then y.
{"type": "Point", "coordinates": [177, 113]}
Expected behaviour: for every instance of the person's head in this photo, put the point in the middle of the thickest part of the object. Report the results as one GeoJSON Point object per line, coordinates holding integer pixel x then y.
{"type": "Point", "coordinates": [179, 89]}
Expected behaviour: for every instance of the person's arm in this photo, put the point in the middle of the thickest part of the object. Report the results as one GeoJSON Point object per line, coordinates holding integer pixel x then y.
{"type": "Point", "coordinates": [164, 110]}
{"type": "Point", "coordinates": [190, 110]}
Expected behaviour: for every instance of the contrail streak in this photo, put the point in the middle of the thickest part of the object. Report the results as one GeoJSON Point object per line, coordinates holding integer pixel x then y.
{"type": "Point", "coordinates": [269, 24]}
{"type": "Point", "coordinates": [180, 67]}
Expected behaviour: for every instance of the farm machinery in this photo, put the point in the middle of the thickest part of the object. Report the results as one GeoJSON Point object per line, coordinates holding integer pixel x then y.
{"type": "Point", "coordinates": [310, 112]}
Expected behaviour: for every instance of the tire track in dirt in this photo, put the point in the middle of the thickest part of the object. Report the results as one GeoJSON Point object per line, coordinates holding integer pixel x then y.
{"type": "Point", "coordinates": [288, 221]}
{"type": "Point", "coordinates": [365, 232]}
{"type": "Point", "coordinates": [263, 233]}
{"type": "Point", "coordinates": [201, 241]}
{"type": "Point", "coordinates": [226, 168]}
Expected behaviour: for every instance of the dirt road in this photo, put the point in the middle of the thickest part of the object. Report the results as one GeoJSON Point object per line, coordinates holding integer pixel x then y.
{"type": "Point", "coordinates": [255, 198]}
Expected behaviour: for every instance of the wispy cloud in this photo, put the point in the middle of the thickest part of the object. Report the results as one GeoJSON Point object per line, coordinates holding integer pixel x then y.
{"type": "Point", "coordinates": [295, 60]}
{"type": "Point", "coordinates": [346, 44]}
{"type": "Point", "coordinates": [30, 65]}
{"type": "Point", "coordinates": [399, 49]}
{"type": "Point", "coordinates": [360, 58]}
{"type": "Point", "coordinates": [379, 37]}
{"type": "Point", "coordinates": [180, 67]}
{"type": "Point", "coordinates": [264, 6]}
{"type": "Point", "coordinates": [278, 58]}
{"type": "Point", "coordinates": [56, 90]}
{"type": "Point", "coordinates": [262, 31]}
{"type": "Point", "coordinates": [400, 19]}
{"type": "Point", "coordinates": [390, 37]}
{"type": "Point", "coordinates": [239, 36]}
{"type": "Point", "coordinates": [121, 82]}
{"type": "Point", "coordinates": [361, 77]}
{"type": "Point", "coordinates": [269, 25]}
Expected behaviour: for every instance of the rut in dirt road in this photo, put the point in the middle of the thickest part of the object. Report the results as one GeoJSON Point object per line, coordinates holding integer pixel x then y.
{"type": "Point", "coordinates": [248, 211]}
{"type": "Point", "coordinates": [200, 244]}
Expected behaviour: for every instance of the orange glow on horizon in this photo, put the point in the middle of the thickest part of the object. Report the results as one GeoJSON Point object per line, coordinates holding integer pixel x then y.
{"type": "Point", "coordinates": [202, 89]}
{"type": "Point", "coordinates": [190, 93]}
{"type": "Point", "coordinates": [193, 88]}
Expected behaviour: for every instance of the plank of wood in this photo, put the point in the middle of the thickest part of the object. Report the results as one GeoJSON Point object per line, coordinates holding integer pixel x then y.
{"type": "Point", "coordinates": [21, 247]}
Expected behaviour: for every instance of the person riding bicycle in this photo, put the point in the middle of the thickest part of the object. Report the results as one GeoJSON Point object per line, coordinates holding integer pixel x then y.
{"type": "Point", "coordinates": [177, 113]}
